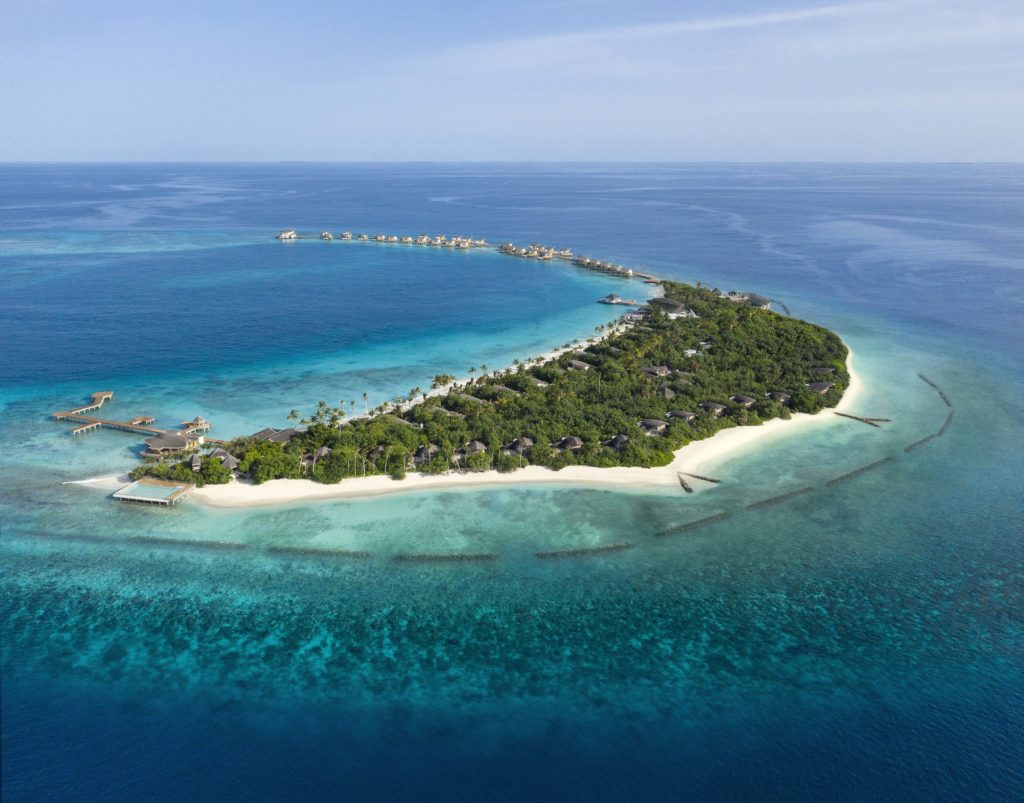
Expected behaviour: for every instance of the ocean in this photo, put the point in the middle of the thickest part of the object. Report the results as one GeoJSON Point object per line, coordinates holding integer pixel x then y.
{"type": "Point", "coordinates": [860, 641]}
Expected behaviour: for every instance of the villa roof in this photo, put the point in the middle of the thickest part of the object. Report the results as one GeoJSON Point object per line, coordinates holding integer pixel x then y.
{"type": "Point", "coordinates": [618, 441]}
{"type": "Point", "coordinates": [167, 441]}
{"type": "Point", "coordinates": [742, 399]}
{"type": "Point", "coordinates": [820, 387]}
{"type": "Point", "coordinates": [283, 435]}
{"type": "Point", "coordinates": [667, 303]}
{"type": "Point", "coordinates": [475, 446]}
{"type": "Point", "coordinates": [571, 442]}
{"type": "Point", "coordinates": [656, 370]}
{"type": "Point", "coordinates": [712, 406]}
{"type": "Point", "coordinates": [577, 365]}
{"type": "Point", "coordinates": [686, 415]}
{"type": "Point", "coordinates": [520, 444]}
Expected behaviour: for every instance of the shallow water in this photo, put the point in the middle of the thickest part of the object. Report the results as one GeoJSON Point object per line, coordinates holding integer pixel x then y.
{"type": "Point", "coordinates": [860, 640]}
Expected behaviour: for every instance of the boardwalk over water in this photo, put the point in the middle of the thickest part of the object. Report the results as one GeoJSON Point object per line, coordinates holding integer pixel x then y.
{"type": "Point", "coordinates": [139, 425]}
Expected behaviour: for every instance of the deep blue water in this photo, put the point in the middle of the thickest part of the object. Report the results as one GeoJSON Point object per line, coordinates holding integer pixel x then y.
{"type": "Point", "coordinates": [861, 642]}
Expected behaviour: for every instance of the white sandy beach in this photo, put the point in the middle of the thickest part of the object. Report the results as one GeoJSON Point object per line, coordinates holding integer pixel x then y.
{"type": "Point", "coordinates": [700, 457]}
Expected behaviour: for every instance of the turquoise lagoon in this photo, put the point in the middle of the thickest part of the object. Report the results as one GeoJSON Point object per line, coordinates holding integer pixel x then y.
{"type": "Point", "coordinates": [859, 641]}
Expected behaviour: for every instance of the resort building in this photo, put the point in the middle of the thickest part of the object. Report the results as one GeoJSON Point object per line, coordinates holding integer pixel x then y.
{"type": "Point", "coordinates": [652, 426]}
{"type": "Point", "coordinates": [821, 387]}
{"type": "Point", "coordinates": [519, 446]}
{"type": "Point", "coordinates": [656, 370]}
{"type": "Point", "coordinates": [570, 443]}
{"type": "Point", "coordinates": [618, 443]}
{"type": "Point", "coordinates": [779, 396]}
{"type": "Point", "coordinates": [170, 443]}
{"type": "Point", "coordinates": [288, 234]}
{"type": "Point", "coordinates": [714, 408]}
{"type": "Point", "coordinates": [683, 415]}
{"type": "Point", "coordinates": [578, 365]}
{"type": "Point", "coordinates": [743, 401]}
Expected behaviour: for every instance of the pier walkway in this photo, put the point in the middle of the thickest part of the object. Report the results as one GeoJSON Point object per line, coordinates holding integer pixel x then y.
{"type": "Point", "coordinates": [140, 425]}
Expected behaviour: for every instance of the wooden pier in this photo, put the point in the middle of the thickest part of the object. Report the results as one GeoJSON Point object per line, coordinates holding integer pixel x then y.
{"type": "Point", "coordinates": [140, 425]}
{"type": "Point", "coordinates": [869, 421]}
{"type": "Point", "coordinates": [684, 483]}
{"type": "Point", "coordinates": [699, 477]}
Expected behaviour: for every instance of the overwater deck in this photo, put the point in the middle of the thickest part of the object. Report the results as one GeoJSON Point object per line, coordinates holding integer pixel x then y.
{"type": "Point", "coordinates": [152, 491]}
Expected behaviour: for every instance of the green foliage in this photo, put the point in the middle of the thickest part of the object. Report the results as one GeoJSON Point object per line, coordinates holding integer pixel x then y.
{"type": "Point", "coordinates": [211, 472]}
{"type": "Point", "coordinates": [729, 349]}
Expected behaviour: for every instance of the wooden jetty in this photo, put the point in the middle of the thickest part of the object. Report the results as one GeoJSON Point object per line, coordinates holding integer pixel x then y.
{"type": "Point", "coordinates": [140, 424]}
{"type": "Point", "coordinates": [684, 483]}
{"type": "Point", "coordinates": [590, 550]}
{"type": "Point", "coordinates": [869, 421]}
{"type": "Point", "coordinates": [699, 477]}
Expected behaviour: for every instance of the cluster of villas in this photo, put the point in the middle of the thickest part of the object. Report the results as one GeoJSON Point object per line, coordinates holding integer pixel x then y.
{"type": "Point", "coordinates": [439, 240]}
{"type": "Point", "coordinates": [535, 251]}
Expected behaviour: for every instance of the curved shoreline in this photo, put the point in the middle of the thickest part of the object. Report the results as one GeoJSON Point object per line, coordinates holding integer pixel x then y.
{"type": "Point", "coordinates": [699, 456]}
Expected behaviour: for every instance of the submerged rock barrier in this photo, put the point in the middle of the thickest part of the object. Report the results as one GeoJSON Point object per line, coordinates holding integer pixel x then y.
{"type": "Point", "coordinates": [187, 543]}
{"type": "Point", "coordinates": [446, 557]}
{"type": "Point", "coordinates": [692, 525]}
{"type": "Point", "coordinates": [590, 550]}
{"type": "Point", "coordinates": [921, 442]}
{"type": "Point", "coordinates": [316, 552]}
{"type": "Point", "coordinates": [858, 471]}
{"type": "Point", "coordinates": [945, 424]}
{"type": "Point", "coordinates": [774, 500]}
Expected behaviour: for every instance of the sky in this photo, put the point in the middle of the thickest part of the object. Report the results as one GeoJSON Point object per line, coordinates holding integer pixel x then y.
{"type": "Point", "coordinates": [532, 80]}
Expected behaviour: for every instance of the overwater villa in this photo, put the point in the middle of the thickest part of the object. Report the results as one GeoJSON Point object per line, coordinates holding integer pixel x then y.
{"type": "Point", "coordinates": [345, 235]}
{"type": "Point", "coordinates": [326, 235]}
{"type": "Point", "coordinates": [288, 234]}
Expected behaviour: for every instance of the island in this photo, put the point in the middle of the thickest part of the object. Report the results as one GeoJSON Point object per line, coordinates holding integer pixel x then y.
{"type": "Point", "coordinates": [685, 366]}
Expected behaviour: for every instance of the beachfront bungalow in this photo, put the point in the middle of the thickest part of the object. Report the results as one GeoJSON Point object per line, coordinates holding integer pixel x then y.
{"type": "Point", "coordinates": [538, 382]}
{"type": "Point", "coordinates": [683, 415]}
{"type": "Point", "coordinates": [425, 453]}
{"type": "Point", "coordinates": [519, 446]}
{"type": "Point", "coordinates": [652, 426]}
{"type": "Point", "coordinates": [779, 396]}
{"type": "Point", "coordinates": [228, 460]}
{"type": "Point", "coordinates": [656, 370]}
{"type": "Point", "coordinates": [618, 443]}
{"type": "Point", "coordinates": [578, 365]}
{"type": "Point", "coordinates": [744, 401]}
{"type": "Point", "coordinates": [821, 387]}
{"type": "Point", "coordinates": [714, 408]}
{"type": "Point", "coordinates": [570, 443]}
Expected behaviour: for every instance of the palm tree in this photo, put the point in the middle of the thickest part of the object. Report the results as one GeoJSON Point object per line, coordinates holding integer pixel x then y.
{"type": "Point", "coordinates": [472, 371]}
{"type": "Point", "coordinates": [366, 405]}
{"type": "Point", "coordinates": [294, 415]}
{"type": "Point", "coordinates": [483, 368]}
{"type": "Point", "coordinates": [352, 406]}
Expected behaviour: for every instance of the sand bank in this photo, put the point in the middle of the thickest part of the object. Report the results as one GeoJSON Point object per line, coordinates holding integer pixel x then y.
{"type": "Point", "coordinates": [699, 457]}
